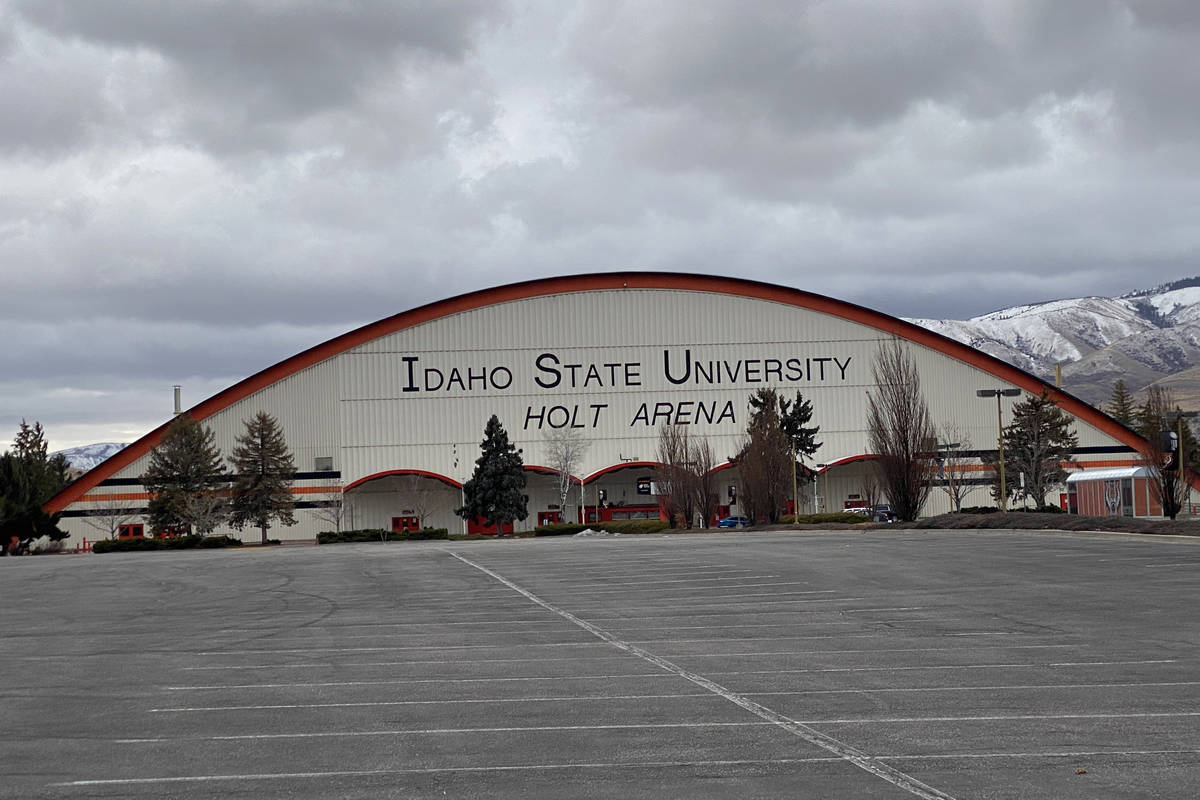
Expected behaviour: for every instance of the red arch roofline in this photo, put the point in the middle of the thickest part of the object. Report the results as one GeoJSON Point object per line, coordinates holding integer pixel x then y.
{"type": "Point", "coordinates": [540, 470]}
{"type": "Point", "coordinates": [613, 281]}
{"type": "Point", "coordinates": [845, 460]}
{"type": "Point", "coordinates": [418, 472]}
{"type": "Point", "coordinates": [623, 465]}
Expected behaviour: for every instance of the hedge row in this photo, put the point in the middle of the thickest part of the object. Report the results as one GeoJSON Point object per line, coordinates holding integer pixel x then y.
{"type": "Point", "coordinates": [618, 526]}
{"type": "Point", "coordinates": [821, 519]}
{"type": "Point", "coordinates": [177, 543]}
{"type": "Point", "coordinates": [381, 535]}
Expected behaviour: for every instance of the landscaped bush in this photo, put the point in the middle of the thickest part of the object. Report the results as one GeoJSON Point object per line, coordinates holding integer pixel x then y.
{"type": "Point", "coordinates": [175, 543]}
{"type": "Point", "coordinates": [631, 526]}
{"type": "Point", "coordinates": [978, 510]}
{"type": "Point", "coordinates": [1055, 520]}
{"type": "Point", "coordinates": [381, 535]}
{"type": "Point", "coordinates": [822, 519]}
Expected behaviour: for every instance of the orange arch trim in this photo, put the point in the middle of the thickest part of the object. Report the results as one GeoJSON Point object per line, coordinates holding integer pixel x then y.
{"type": "Point", "coordinates": [614, 281]}
{"type": "Point", "coordinates": [419, 472]}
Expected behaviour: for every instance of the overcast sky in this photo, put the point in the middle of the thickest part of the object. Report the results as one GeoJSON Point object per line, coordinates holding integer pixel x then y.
{"type": "Point", "coordinates": [192, 191]}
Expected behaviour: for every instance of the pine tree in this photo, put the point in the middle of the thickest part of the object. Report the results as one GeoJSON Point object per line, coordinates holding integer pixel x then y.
{"type": "Point", "coordinates": [496, 491]}
{"type": "Point", "coordinates": [794, 415]}
{"type": "Point", "coordinates": [776, 433]}
{"type": "Point", "coordinates": [263, 475]}
{"type": "Point", "coordinates": [1120, 405]}
{"type": "Point", "coordinates": [29, 477]}
{"type": "Point", "coordinates": [185, 479]}
{"type": "Point", "coordinates": [1037, 442]}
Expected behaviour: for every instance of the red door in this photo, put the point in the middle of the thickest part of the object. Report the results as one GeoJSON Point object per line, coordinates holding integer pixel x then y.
{"type": "Point", "coordinates": [400, 524]}
{"type": "Point", "coordinates": [479, 526]}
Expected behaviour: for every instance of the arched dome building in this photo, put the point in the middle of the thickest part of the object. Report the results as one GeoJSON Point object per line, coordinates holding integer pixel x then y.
{"type": "Point", "coordinates": [392, 414]}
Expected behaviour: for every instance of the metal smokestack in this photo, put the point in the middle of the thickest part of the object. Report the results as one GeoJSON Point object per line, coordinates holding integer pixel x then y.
{"type": "Point", "coordinates": [178, 400]}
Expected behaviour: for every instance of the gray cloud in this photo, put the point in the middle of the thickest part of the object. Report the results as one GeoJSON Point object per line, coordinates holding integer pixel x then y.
{"type": "Point", "coordinates": [203, 189]}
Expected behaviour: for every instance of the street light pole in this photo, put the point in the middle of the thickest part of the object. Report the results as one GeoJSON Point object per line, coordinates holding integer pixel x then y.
{"type": "Point", "coordinates": [998, 393]}
{"type": "Point", "coordinates": [825, 503]}
{"type": "Point", "coordinates": [795, 492]}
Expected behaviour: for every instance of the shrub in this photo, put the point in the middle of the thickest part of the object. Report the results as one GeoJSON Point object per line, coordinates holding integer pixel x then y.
{"type": "Point", "coordinates": [631, 526]}
{"type": "Point", "coordinates": [380, 535]}
{"type": "Point", "coordinates": [822, 519]}
{"type": "Point", "coordinates": [177, 543]}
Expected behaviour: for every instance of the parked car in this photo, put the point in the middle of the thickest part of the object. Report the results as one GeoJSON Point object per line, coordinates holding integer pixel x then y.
{"type": "Point", "coordinates": [733, 522]}
{"type": "Point", "coordinates": [883, 513]}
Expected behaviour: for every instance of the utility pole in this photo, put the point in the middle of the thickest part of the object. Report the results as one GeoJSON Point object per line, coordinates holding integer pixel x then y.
{"type": "Point", "coordinates": [998, 393]}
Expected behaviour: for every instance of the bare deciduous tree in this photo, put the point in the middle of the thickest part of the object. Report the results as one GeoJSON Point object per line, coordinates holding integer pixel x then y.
{"type": "Point", "coordinates": [900, 430]}
{"type": "Point", "coordinates": [205, 510]}
{"type": "Point", "coordinates": [870, 488]}
{"type": "Point", "coordinates": [418, 494]}
{"type": "Point", "coordinates": [565, 448]}
{"type": "Point", "coordinates": [331, 508]}
{"type": "Point", "coordinates": [674, 495]}
{"type": "Point", "coordinates": [704, 482]}
{"type": "Point", "coordinates": [686, 487]}
{"type": "Point", "coordinates": [1158, 417]}
{"type": "Point", "coordinates": [107, 516]}
{"type": "Point", "coordinates": [953, 463]}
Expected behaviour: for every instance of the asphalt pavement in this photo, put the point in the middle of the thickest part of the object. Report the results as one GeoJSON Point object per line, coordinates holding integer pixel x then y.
{"type": "Point", "coordinates": [880, 664]}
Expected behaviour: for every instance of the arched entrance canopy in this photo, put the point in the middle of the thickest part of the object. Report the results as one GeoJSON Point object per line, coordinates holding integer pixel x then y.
{"type": "Point", "coordinates": [401, 472]}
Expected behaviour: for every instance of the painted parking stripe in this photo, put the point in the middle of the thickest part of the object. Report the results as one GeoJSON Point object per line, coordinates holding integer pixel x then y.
{"type": "Point", "coordinates": [455, 701]}
{"type": "Point", "coordinates": [948, 667]}
{"type": "Point", "coordinates": [1007, 687]}
{"type": "Point", "coordinates": [442, 731]}
{"type": "Point", "coordinates": [852, 755]}
{"type": "Point", "coordinates": [598, 765]}
{"type": "Point", "coordinates": [606, 765]}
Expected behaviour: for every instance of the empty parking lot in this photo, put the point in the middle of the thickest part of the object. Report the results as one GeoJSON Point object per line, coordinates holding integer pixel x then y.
{"type": "Point", "coordinates": [859, 664]}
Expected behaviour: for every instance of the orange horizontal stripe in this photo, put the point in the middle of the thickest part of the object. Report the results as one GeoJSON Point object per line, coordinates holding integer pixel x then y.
{"type": "Point", "coordinates": [126, 496]}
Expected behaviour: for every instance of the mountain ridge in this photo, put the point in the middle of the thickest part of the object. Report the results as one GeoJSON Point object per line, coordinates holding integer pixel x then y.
{"type": "Point", "coordinates": [1143, 337]}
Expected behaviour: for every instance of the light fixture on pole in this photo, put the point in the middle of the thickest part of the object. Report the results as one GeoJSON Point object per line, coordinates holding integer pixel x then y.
{"type": "Point", "coordinates": [825, 503]}
{"type": "Point", "coordinates": [998, 393]}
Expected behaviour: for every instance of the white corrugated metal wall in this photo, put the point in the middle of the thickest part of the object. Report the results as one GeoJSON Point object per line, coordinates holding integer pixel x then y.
{"type": "Point", "coordinates": [419, 398]}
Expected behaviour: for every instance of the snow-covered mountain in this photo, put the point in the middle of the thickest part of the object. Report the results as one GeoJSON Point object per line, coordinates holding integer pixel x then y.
{"type": "Point", "coordinates": [87, 456]}
{"type": "Point", "coordinates": [1143, 337]}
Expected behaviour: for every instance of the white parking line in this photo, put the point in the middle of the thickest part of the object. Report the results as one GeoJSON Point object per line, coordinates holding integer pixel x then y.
{"type": "Point", "coordinates": [268, 651]}
{"type": "Point", "coordinates": [593, 659]}
{"type": "Point", "coordinates": [605, 765]}
{"type": "Point", "coordinates": [442, 731]}
{"type": "Point", "coordinates": [999, 718]}
{"type": "Point", "coordinates": [812, 736]}
{"type": "Point", "coordinates": [274, 776]}
{"type": "Point", "coordinates": [658, 588]}
{"type": "Point", "coordinates": [945, 666]}
{"type": "Point", "coordinates": [411, 681]}
{"type": "Point", "coordinates": [993, 688]}
{"type": "Point", "coordinates": [659, 582]}
{"type": "Point", "coordinates": [455, 701]}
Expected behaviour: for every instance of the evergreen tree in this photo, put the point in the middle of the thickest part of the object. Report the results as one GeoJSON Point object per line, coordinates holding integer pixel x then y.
{"type": "Point", "coordinates": [791, 416]}
{"type": "Point", "coordinates": [1120, 406]}
{"type": "Point", "coordinates": [185, 479]}
{"type": "Point", "coordinates": [29, 477]}
{"type": "Point", "coordinates": [496, 491]}
{"type": "Point", "coordinates": [263, 475]}
{"type": "Point", "coordinates": [1037, 442]}
{"type": "Point", "coordinates": [794, 415]}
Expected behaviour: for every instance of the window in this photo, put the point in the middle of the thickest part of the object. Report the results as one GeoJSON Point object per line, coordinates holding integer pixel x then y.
{"type": "Point", "coordinates": [323, 463]}
{"type": "Point", "coordinates": [129, 531]}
